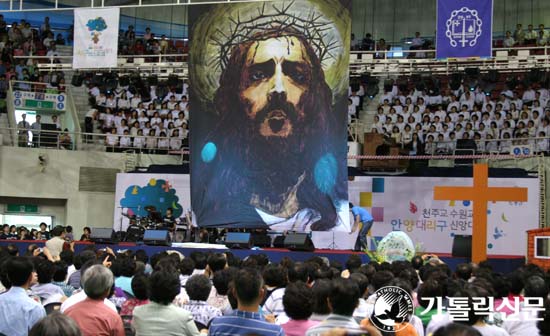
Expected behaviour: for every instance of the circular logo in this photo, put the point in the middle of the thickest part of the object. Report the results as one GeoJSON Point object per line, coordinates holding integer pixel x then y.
{"type": "Point", "coordinates": [526, 150]}
{"type": "Point", "coordinates": [517, 151]}
{"type": "Point", "coordinates": [61, 98]}
{"type": "Point", "coordinates": [392, 308]}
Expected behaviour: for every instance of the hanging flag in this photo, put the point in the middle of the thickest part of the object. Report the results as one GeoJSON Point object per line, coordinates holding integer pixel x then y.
{"type": "Point", "coordinates": [95, 38]}
{"type": "Point", "coordinates": [464, 28]}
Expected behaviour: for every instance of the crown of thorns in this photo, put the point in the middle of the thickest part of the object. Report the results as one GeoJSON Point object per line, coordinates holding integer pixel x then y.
{"type": "Point", "coordinates": [280, 17]}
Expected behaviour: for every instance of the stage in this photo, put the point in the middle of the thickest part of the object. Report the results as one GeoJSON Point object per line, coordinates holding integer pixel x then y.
{"type": "Point", "coordinates": [500, 263]}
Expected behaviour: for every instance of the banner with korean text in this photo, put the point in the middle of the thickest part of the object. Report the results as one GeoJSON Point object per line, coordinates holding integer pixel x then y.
{"type": "Point", "coordinates": [95, 38]}
{"type": "Point", "coordinates": [406, 204]}
{"type": "Point", "coordinates": [464, 28]}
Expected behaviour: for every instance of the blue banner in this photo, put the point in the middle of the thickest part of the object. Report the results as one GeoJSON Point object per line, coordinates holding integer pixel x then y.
{"type": "Point", "coordinates": [464, 28]}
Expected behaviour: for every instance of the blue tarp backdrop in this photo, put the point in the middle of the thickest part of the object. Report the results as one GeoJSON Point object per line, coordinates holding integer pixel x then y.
{"type": "Point", "coordinates": [464, 28]}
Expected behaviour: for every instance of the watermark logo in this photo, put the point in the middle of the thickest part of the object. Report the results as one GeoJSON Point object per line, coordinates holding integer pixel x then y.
{"type": "Point", "coordinates": [463, 27]}
{"type": "Point", "coordinates": [392, 309]}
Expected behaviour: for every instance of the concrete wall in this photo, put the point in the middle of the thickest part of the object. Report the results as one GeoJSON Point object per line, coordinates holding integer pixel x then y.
{"type": "Point", "coordinates": [21, 177]}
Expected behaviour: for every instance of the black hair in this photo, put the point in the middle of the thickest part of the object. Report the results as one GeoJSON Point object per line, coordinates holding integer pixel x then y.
{"type": "Point", "coordinates": [67, 256]}
{"type": "Point", "coordinates": [381, 279]}
{"type": "Point", "coordinates": [248, 284]}
{"type": "Point", "coordinates": [535, 287]}
{"type": "Point", "coordinates": [186, 266]}
{"type": "Point", "coordinates": [57, 231]}
{"type": "Point", "coordinates": [141, 255]}
{"type": "Point", "coordinates": [515, 279]}
{"type": "Point", "coordinates": [140, 287]}
{"type": "Point", "coordinates": [164, 286]}
{"type": "Point", "coordinates": [344, 296]}
{"type": "Point", "coordinates": [60, 271]}
{"type": "Point", "coordinates": [321, 291]}
{"type": "Point", "coordinates": [275, 276]}
{"type": "Point", "coordinates": [298, 273]}
{"type": "Point", "coordinates": [200, 259]}
{"type": "Point", "coordinates": [298, 300]}
{"type": "Point", "coordinates": [69, 229]}
{"type": "Point", "coordinates": [429, 289]}
{"type": "Point", "coordinates": [198, 287]}
{"type": "Point", "coordinates": [354, 262]}
{"type": "Point", "coordinates": [222, 279]}
{"type": "Point", "coordinates": [19, 270]}
{"type": "Point", "coordinates": [128, 267]}
{"type": "Point", "coordinates": [417, 262]}
{"type": "Point", "coordinates": [362, 282]}
{"type": "Point", "coordinates": [463, 271]}
{"type": "Point", "coordinates": [216, 262]}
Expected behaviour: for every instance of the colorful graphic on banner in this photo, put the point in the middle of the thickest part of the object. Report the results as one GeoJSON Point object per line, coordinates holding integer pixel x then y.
{"type": "Point", "coordinates": [136, 192]}
{"type": "Point", "coordinates": [39, 100]}
{"type": "Point", "coordinates": [95, 38]}
{"type": "Point", "coordinates": [269, 96]}
{"type": "Point", "coordinates": [406, 204]}
{"type": "Point", "coordinates": [464, 28]}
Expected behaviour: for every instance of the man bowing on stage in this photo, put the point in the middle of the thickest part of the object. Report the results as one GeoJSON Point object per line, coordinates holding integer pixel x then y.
{"type": "Point", "coordinates": [361, 217]}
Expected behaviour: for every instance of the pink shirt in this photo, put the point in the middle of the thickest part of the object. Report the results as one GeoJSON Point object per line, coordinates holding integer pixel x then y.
{"type": "Point", "coordinates": [96, 319]}
{"type": "Point", "coordinates": [298, 327]}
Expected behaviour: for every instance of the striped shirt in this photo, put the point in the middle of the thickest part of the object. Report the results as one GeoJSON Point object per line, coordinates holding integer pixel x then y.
{"type": "Point", "coordinates": [243, 323]}
{"type": "Point", "coordinates": [201, 311]}
{"type": "Point", "coordinates": [336, 321]}
{"type": "Point", "coordinates": [274, 303]}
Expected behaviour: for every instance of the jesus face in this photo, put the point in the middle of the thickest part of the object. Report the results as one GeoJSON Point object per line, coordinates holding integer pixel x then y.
{"type": "Point", "coordinates": [276, 74]}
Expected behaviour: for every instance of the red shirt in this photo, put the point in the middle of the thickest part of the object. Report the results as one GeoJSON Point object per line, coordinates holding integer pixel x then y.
{"type": "Point", "coordinates": [129, 305]}
{"type": "Point", "coordinates": [96, 319]}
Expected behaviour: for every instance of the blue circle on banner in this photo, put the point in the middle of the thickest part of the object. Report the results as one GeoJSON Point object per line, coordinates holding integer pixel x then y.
{"type": "Point", "coordinates": [60, 106]}
{"type": "Point", "coordinates": [466, 203]}
{"type": "Point", "coordinates": [208, 152]}
{"type": "Point", "coordinates": [526, 151]}
{"type": "Point", "coordinates": [17, 102]}
{"type": "Point", "coordinates": [517, 151]}
{"type": "Point", "coordinates": [17, 94]}
{"type": "Point", "coordinates": [61, 98]}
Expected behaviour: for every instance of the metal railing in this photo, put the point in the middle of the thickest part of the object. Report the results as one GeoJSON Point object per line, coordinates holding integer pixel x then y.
{"type": "Point", "coordinates": [111, 143]}
{"type": "Point", "coordinates": [91, 141]}
{"type": "Point", "coordinates": [376, 63]}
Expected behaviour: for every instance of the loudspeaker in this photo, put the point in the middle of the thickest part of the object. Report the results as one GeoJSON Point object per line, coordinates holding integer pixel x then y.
{"type": "Point", "coordinates": [238, 240]}
{"type": "Point", "coordinates": [299, 242]}
{"type": "Point", "coordinates": [102, 235]}
{"type": "Point", "coordinates": [134, 233]}
{"type": "Point", "coordinates": [462, 246]}
{"type": "Point", "coordinates": [156, 237]}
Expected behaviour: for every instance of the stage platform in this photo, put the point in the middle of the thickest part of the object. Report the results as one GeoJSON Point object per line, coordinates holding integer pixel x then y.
{"type": "Point", "coordinates": [504, 264]}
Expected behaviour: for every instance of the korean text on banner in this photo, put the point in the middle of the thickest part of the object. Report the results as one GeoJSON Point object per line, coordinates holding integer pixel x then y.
{"type": "Point", "coordinates": [95, 38]}
{"type": "Point", "coordinates": [464, 28]}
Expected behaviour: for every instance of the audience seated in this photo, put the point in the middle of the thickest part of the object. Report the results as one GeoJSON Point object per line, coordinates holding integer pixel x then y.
{"type": "Point", "coordinates": [56, 324]}
{"type": "Point", "coordinates": [198, 288]}
{"type": "Point", "coordinates": [319, 296]}
{"type": "Point", "coordinates": [431, 123]}
{"type": "Point", "coordinates": [160, 316]}
{"type": "Point", "coordinates": [18, 311]}
{"type": "Point", "coordinates": [140, 288]}
{"type": "Point", "coordinates": [249, 291]}
{"type": "Point", "coordinates": [92, 315]}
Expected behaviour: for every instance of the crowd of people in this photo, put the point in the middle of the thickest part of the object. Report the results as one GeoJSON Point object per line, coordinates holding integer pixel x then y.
{"type": "Point", "coordinates": [432, 123]}
{"type": "Point", "coordinates": [153, 125]}
{"type": "Point", "coordinates": [13, 232]}
{"type": "Point", "coordinates": [100, 292]}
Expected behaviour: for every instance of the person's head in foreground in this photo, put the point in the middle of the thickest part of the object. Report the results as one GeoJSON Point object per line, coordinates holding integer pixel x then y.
{"type": "Point", "coordinates": [55, 324]}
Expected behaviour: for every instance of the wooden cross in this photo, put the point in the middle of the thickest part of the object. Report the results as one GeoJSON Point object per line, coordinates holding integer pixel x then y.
{"type": "Point", "coordinates": [480, 193]}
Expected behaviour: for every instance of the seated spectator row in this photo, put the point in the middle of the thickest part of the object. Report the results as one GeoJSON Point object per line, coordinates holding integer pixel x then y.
{"type": "Point", "coordinates": [433, 123]}
{"type": "Point", "coordinates": [103, 292]}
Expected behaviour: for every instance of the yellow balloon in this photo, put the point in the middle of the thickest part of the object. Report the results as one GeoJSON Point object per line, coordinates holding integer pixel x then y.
{"type": "Point", "coordinates": [152, 182]}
